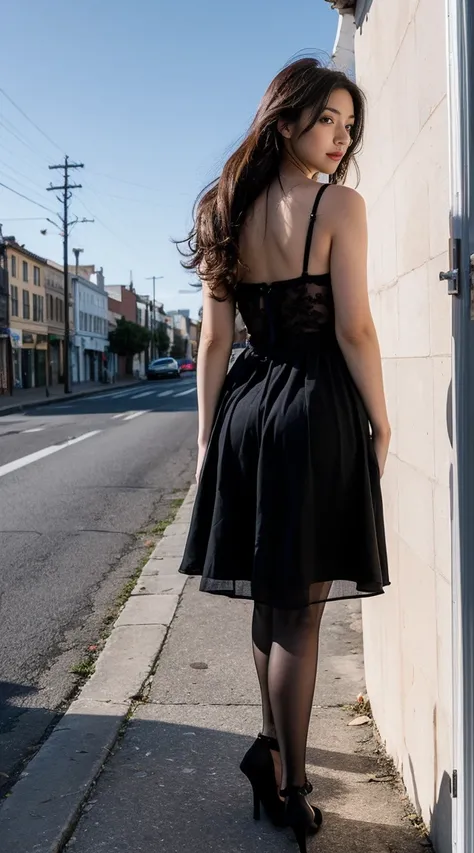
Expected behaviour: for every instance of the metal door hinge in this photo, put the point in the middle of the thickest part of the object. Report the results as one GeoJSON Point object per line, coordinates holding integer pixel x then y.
{"type": "Point", "coordinates": [452, 278]}
{"type": "Point", "coordinates": [455, 784]}
{"type": "Point", "coordinates": [452, 275]}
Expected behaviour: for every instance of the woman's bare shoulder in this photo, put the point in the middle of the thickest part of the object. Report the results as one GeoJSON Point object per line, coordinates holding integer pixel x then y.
{"type": "Point", "coordinates": [345, 201]}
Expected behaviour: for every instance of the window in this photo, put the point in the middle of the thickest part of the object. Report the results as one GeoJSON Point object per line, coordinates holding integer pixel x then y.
{"type": "Point", "coordinates": [81, 319]}
{"type": "Point", "coordinates": [25, 271]}
{"type": "Point", "coordinates": [38, 308]}
{"type": "Point", "coordinates": [26, 305]}
{"type": "Point", "coordinates": [14, 294]}
{"type": "Point", "coordinates": [61, 310]}
{"type": "Point", "coordinates": [13, 266]}
{"type": "Point", "coordinates": [36, 276]}
{"type": "Point", "coordinates": [50, 308]}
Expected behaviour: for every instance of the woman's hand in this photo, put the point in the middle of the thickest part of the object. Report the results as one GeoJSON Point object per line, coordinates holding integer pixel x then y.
{"type": "Point", "coordinates": [381, 444]}
{"type": "Point", "coordinates": [201, 454]}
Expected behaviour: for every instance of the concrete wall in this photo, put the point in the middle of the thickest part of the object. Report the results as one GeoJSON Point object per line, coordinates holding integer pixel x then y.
{"type": "Point", "coordinates": [401, 64]}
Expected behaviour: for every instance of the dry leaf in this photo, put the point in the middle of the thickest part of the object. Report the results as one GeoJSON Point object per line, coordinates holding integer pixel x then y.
{"type": "Point", "coordinates": [359, 721]}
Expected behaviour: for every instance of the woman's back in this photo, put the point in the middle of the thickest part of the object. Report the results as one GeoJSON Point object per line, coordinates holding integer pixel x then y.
{"type": "Point", "coordinates": [272, 240]}
{"type": "Point", "coordinates": [285, 294]}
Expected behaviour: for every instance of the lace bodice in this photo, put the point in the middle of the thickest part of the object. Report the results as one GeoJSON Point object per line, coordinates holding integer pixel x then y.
{"type": "Point", "coordinates": [275, 313]}
{"type": "Point", "coordinates": [281, 312]}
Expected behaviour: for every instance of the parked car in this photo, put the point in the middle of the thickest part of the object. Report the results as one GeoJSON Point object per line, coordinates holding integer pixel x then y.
{"type": "Point", "coordinates": [163, 368]}
{"type": "Point", "coordinates": [186, 365]}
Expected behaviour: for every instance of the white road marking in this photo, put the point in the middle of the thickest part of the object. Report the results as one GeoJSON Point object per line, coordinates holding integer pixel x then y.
{"type": "Point", "coordinates": [134, 415]}
{"type": "Point", "coordinates": [120, 415]}
{"type": "Point", "coordinates": [96, 397]}
{"type": "Point", "coordinates": [143, 394]}
{"type": "Point", "coordinates": [166, 393]}
{"type": "Point", "coordinates": [120, 394]}
{"type": "Point", "coordinates": [35, 429]}
{"type": "Point", "coordinates": [188, 391]}
{"type": "Point", "coordinates": [40, 454]}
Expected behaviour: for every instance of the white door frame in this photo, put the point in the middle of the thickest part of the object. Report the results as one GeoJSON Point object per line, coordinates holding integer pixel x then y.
{"type": "Point", "coordinates": [461, 112]}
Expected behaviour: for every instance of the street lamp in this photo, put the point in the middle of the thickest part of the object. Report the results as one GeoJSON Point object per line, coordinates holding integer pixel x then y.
{"type": "Point", "coordinates": [154, 278]}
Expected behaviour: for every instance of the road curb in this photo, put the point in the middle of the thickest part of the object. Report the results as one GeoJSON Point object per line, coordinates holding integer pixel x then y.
{"type": "Point", "coordinates": [41, 811]}
{"type": "Point", "coordinates": [76, 395]}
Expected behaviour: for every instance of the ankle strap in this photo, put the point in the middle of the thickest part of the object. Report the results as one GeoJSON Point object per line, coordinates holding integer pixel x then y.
{"type": "Point", "coordinates": [304, 790]}
{"type": "Point", "coordinates": [271, 742]}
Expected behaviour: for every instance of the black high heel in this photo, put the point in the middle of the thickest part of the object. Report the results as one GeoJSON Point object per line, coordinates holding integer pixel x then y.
{"type": "Point", "coordinates": [303, 819]}
{"type": "Point", "coordinates": [257, 765]}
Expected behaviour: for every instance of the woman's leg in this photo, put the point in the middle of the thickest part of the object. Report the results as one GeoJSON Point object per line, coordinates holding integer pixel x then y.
{"type": "Point", "coordinates": [291, 680]}
{"type": "Point", "coordinates": [262, 633]}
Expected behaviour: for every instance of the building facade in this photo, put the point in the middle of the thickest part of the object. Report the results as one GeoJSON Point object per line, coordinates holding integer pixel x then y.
{"type": "Point", "coordinates": [122, 304]}
{"type": "Point", "coordinates": [55, 318]}
{"type": "Point", "coordinates": [28, 326]}
{"type": "Point", "coordinates": [90, 340]}
{"type": "Point", "coordinates": [401, 64]}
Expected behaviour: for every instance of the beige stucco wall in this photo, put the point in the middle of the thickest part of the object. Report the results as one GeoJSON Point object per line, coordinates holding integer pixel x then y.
{"type": "Point", "coordinates": [401, 65]}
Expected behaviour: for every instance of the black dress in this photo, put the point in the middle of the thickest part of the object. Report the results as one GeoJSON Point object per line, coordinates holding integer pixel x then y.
{"type": "Point", "coordinates": [289, 508]}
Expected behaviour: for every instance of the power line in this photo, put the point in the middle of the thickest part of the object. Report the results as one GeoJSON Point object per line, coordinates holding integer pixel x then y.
{"type": "Point", "coordinates": [27, 198]}
{"type": "Point", "coordinates": [123, 181]}
{"type": "Point", "coordinates": [22, 112]}
{"type": "Point", "coordinates": [21, 184]}
{"type": "Point", "coordinates": [22, 175]}
{"type": "Point", "coordinates": [120, 239]}
{"type": "Point", "coordinates": [19, 139]}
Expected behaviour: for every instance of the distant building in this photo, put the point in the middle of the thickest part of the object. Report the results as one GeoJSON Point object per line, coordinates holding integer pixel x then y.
{"type": "Point", "coordinates": [90, 341]}
{"type": "Point", "coordinates": [122, 304]}
{"type": "Point", "coordinates": [28, 329]}
{"type": "Point", "coordinates": [55, 317]}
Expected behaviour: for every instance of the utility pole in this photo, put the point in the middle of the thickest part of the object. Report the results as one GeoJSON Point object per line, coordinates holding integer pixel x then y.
{"type": "Point", "coordinates": [5, 297]}
{"type": "Point", "coordinates": [154, 278]}
{"type": "Point", "coordinates": [66, 188]}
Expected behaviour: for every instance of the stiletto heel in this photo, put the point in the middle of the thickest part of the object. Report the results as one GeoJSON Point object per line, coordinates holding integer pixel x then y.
{"type": "Point", "coordinates": [257, 765]}
{"type": "Point", "coordinates": [256, 804]}
{"type": "Point", "coordinates": [300, 834]}
{"type": "Point", "coordinates": [303, 819]}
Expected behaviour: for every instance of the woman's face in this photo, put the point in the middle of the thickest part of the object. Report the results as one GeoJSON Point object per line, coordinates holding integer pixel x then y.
{"type": "Point", "coordinates": [322, 148]}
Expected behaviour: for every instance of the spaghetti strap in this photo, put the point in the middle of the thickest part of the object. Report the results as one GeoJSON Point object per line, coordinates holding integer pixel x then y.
{"type": "Point", "coordinates": [309, 235]}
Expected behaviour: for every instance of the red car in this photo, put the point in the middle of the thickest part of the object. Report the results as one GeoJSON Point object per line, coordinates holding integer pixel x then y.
{"type": "Point", "coordinates": [187, 366]}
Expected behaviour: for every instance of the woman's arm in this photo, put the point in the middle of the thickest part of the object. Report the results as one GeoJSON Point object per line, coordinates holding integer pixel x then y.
{"type": "Point", "coordinates": [215, 345]}
{"type": "Point", "coordinates": [355, 328]}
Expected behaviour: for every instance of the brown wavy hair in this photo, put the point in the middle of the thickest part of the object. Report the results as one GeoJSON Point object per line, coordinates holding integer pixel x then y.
{"type": "Point", "coordinates": [221, 208]}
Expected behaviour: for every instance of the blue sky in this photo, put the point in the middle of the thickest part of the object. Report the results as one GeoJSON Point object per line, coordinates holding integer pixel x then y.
{"type": "Point", "coordinates": [151, 96]}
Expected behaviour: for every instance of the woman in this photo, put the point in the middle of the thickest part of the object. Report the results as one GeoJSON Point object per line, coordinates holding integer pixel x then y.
{"type": "Point", "coordinates": [293, 442]}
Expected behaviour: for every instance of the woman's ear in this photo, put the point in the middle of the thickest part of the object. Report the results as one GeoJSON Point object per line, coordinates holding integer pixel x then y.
{"type": "Point", "coordinates": [284, 128]}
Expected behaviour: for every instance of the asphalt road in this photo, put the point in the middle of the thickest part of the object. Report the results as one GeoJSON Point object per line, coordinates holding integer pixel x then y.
{"type": "Point", "coordinates": [78, 481]}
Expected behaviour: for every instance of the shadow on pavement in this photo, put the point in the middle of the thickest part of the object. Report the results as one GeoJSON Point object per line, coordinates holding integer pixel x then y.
{"type": "Point", "coordinates": [178, 787]}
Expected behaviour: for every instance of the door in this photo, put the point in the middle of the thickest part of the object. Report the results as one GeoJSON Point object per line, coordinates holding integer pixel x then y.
{"type": "Point", "coordinates": [460, 281]}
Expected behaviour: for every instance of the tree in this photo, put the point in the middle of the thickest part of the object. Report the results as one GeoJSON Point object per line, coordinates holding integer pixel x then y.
{"type": "Point", "coordinates": [128, 339]}
{"type": "Point", "coordinates": [178, 350]}
{"type": "Point", "coordinates": [162, 340]}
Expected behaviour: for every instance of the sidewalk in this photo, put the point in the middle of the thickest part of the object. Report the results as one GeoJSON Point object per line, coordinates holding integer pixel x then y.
{"type": "Point", "coordinates": [26, 398]}
{"type": "Point", "coordinates": [173, 783]}
{"type": "Point", "coordinates": [170, 780]}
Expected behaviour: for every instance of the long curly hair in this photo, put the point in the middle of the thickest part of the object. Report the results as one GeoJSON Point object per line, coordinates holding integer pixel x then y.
{"type": "Point", "coordinates": [220, 209]}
